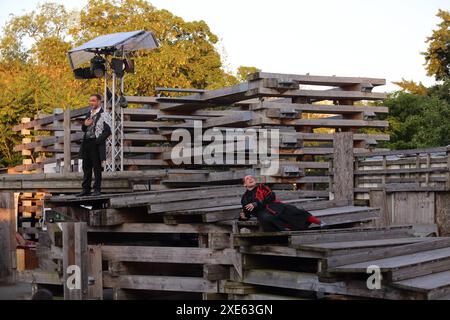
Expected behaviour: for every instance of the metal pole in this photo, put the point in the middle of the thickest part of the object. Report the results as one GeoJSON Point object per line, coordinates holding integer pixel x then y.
{"type": "Point", "coordinates": [113, 111]}
{"type": "Point", "coordinates": [121, 125]}
{"type": "Point", "coordinates": [105, 106]}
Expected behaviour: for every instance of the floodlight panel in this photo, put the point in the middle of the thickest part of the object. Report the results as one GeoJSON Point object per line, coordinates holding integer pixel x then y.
{"type": "Point", "coordinates": [128, 41]}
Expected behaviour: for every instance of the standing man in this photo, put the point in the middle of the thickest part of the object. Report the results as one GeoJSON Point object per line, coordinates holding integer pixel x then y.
{"type": "Point", "coordinates": [96, 128]}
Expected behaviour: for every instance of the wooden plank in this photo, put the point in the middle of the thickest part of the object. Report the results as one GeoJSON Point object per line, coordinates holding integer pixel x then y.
{"type": "Point", "coordinates": [379, 253]}
{"type": "Point", "coordinates": [318, 95]}
{"type": "Point", "coordinates": [343, 183]}
{"type": "Point", "coordinates": [38, 276]}
{"type": "Point", "coordinates": [305, 237]}
{"type": "Point", "coordinates": [95, 289]}
{"type": "Point", "coordinates": [109, 217]}
{"type": "Point", "coordinates": [160, 283]}
{"type": "Point", "coordinates": [413, 207]}
{"type": "Point", "coordinates": [403, 152]}
{"type": "Point", "coordinates": [442, 207]}
{"type": "Point", "coordinates": [331, 247]}
{"type": "Point", "coordinates": [425, 283]}
{"type": "Point", "coordinates": [218, 241]}
{"type": "Point", "coordinates": [317, 80]}
{"type": "Point", "coordinates": [340, 210]}
{"type": "Point", "coordinates": [7, 238]}
{"type": "Point", "coordinates": [157, 197]}
{"type": "Point", "coordinates": [194, 228]}
{"type": "Point", "coordinates": [291, 280]}
{"type": "Point", "coordinates": [47, 120]}
{"type": "Point", "coordinates": [214, 272]}
{"type": "Point", "coordinates": [67, 141]}
{"type": "Point", "coordinates": [75, 254]}
{"type": "Point", "coordinates": [317, 108]}
{"type": "Point", "coordinates": [283, 251]}
{"type": "Point", "coordinates": [399, 261]}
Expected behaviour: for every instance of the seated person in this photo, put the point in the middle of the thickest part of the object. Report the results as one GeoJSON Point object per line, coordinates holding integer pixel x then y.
{"type": "Point", "coordinates": [273, 215]}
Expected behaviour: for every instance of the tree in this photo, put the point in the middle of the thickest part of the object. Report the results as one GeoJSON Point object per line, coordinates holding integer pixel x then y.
{"type": "Point", "coordinates": [35, 74]}
{"type": "Point", "coordinates": [437, 56]}
{"type": "Point", "coordinates": [244, 71]}
{"type": "Point", "coordinates": [412, 87]}
{"type": "Point", "coordinates": [418, 121]}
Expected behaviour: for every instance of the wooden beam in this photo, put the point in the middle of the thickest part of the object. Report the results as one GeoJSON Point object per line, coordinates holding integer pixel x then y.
{"type": "Point", "coordinates": [95, 289]}
{"type": "Point", "coordinates": [67, 142]}
{"type": "Point", "coordinates": [75, 260]}
{"type": "Point", "coordinates": [167, 254]}
{"type": "Point", "coordinates": [160, 283]}
{"type": "Point", "coordinates": [343, 183]}
{"type": "Point", "coordinates": [7, 238]}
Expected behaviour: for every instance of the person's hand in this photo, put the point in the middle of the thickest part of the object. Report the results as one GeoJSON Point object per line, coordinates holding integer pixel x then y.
{"type": "Point", "coordinates": [250, 207]}
{"type": "Point", "coordinates": [243, 216]}
{"type": "Point", "coordinates": [88, 122]}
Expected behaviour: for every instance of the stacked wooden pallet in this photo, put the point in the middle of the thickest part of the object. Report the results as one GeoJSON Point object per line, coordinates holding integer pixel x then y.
{"type": "Point", "coordinates": [336, 263]}
{"type": "Point", "coordinates": [306, 109]}
{"type": "Point", "coordinates": [171, 243]}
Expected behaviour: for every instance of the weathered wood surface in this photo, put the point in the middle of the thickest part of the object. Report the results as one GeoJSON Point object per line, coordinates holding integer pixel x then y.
{"type": "Point", "coordinates": [167, 254]}
{"type": "Point", "coordinates": [343, 166]}
{"type": "Point", "coordinates": [7, 238]}
{"type": "Point", "coordinates": [434, 285]}
{"type": "Point", "coordinates": [75, 260]}
{"type": "Point", "coordinates": [160, 283]}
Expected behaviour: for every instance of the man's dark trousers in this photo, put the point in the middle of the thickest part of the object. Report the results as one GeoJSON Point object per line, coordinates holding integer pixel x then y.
{"type": "Point", "coordinates": [91, 161]}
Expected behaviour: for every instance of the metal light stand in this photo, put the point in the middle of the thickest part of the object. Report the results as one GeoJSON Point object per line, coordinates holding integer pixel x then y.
{"type": "Point", "coordinates": [114, 144]}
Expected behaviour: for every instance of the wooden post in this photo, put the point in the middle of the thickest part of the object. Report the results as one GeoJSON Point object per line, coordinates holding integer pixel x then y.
{"type": "Point", "coordinates": [447, 183]}
{"type": "Point", "coordinates": [343, 181]}
{"type": "Point", "coordinates": [7, 238]}
{"type": "Point", "coordinates": [67, 142]}
{"type": "Point", "coordinates": [95, 273]}
{"type": "Point", "coordinates": [75, 260]}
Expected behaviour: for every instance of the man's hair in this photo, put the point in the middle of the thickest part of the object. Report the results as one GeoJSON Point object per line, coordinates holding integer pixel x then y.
{"type": "Point", "coordinates": [99, 97]}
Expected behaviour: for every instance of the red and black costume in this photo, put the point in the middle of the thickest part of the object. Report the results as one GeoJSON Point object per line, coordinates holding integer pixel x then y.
{"type": "Point", "coordinates": [273, 215]}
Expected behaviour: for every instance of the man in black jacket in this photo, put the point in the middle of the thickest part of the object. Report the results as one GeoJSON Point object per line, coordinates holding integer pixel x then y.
{"type": "Point", "coordinates": [97, 128]}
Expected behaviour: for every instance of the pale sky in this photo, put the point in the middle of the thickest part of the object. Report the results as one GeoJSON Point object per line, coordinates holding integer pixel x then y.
{"type": "Point", "coordinates": [380, 38]}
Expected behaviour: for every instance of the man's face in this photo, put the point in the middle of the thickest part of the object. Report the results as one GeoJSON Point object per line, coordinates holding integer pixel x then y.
{"type": "Point", "coordinates": [94, 102]}
{"type": "Point", "coordinates": [249, 182]}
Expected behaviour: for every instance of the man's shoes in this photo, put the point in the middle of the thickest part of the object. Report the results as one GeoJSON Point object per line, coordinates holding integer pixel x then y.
{"type": "Point", "coordinates": [96, 193]}
{"type": "Point", "coordinates": [83, 194]}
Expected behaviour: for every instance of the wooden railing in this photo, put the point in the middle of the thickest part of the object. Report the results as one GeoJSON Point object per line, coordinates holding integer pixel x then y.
{"type": "Point", "coordinates": [407, 170]}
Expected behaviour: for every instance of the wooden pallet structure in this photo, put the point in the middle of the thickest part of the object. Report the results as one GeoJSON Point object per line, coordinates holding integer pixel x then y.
{"type": "Point", "coordinates": [29, 212]}
{"type": "Point", "coordinates": [168, 243]}
{"type": "Point", "coordinates": [306, 109]}
{"type": "Point", "coordinates": [337, 264]}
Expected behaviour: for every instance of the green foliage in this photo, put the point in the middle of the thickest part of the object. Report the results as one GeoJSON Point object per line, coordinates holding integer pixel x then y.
{"type": "Point", "coordinates": [35, 74]}
{"type": "Point", "coordinates": [244, 71]}
{"type": "Point", "coordinates": [437, 56]}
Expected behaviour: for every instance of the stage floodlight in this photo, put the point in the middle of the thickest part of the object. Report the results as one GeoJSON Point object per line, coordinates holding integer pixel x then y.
{"type": "Point", "coordinates": [98, 68]}
{"type": "Point", "coordinates": [83, 73]}
{"type": "Point", "coordinates": [129, 65]}
{"type": "Point", "coordinates": [118, 67]}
